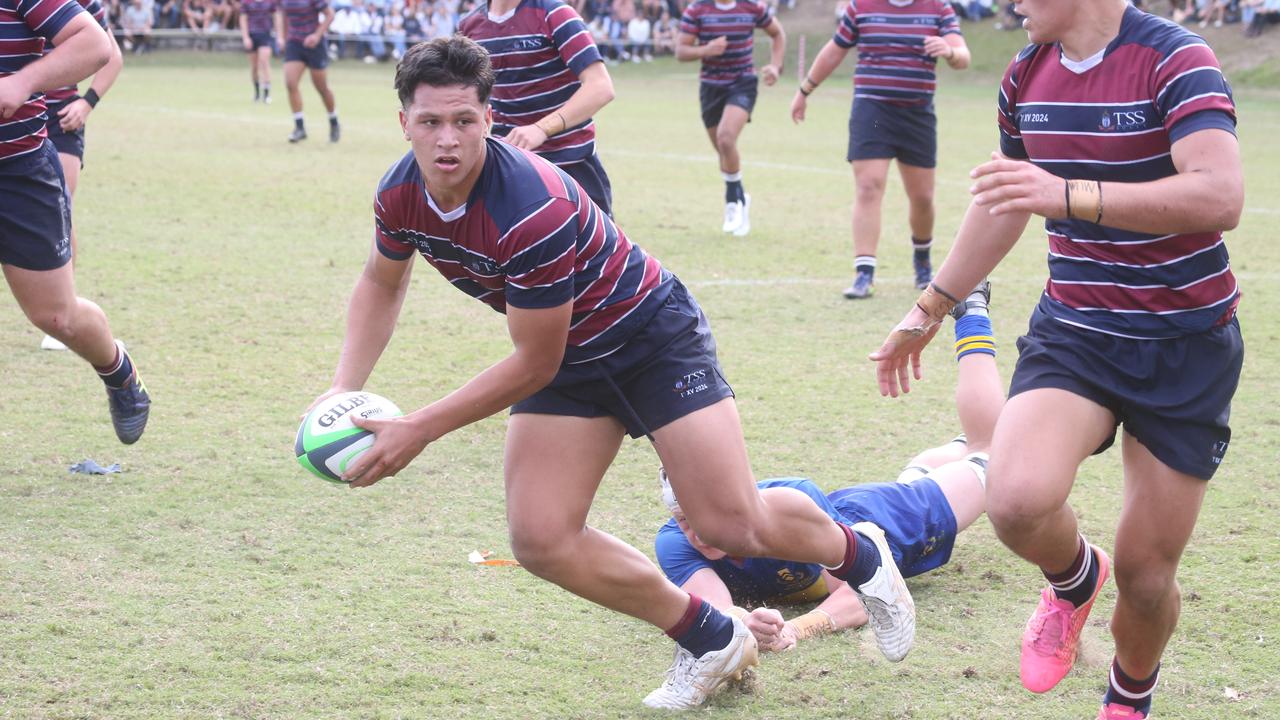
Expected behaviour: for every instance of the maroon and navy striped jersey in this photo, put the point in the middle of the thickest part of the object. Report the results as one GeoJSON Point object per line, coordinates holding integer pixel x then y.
{"type": "Point", "coordinates": [26, 27]}
{"type": "Point", "coordinates": [892, 64]}
{"type": "Point", "coordinates": [301, 17]}
{"type": "Point", "coordinates": [538, 51]}
{"type": "Point", "coordinates": [260, 15]}
{"type": "Point", "coordinates": [527, 237]}
{"type": "Point", "coordinates": [1116, 121]}
{"type": "Point", "coordinates": [63, 94]}
{"type": "Point", "coordinates": [736, 22]}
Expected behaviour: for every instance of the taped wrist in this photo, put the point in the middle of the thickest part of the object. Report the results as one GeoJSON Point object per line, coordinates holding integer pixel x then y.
{"type": "Point", "coordinates": [813, 623]}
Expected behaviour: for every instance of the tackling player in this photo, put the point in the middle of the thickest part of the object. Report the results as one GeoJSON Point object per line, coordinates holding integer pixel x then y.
{"type": "Point", "coordinates": [551, 81]}
{"type": "Point", "coordinates": [935, 498]}
{"type": "Point", "coordinates": [899, 44]}
{"type": "Point", "coordinates": [67, 112]}
{"type": "Point", "coordinates": [305, 23]}
{"type": "Point", "coordinates": [722, 36]}
{"type": "Point", "coordinates": [1118, 128]}
{"type": "Point", "coordinates": [35, 218]}
{"type": "Point", "coordinates": [606, 343]}
{"type": "Point", "coordinates": [259, 25]}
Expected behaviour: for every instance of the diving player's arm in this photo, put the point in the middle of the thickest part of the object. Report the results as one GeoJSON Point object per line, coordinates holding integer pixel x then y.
{"type": "Point", "coordinates": [840, 611]}
{"type": "Point", "coordinates": [72, 117]}
{"type": "Point", "coordinates": [777, 52]}
{"type": "Point", "coordinates": [766, 624]}
{"type": "Point", "coordinates": [539, 337]}
{"type": "Point", "coordinates": [81, 48]}
{"type": "Point", "coordinates": [595, 90]}
{"type": "Point", "coordinates": [826, 62]}
{"type": "Point", "coordinates": [706, 584]}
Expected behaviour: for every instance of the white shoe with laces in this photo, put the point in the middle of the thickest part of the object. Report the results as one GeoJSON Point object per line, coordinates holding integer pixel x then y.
{"type": "Point", "coordinates": [691, 680]}
{"type": "Point", "coordinates": [744, 225]}
{"type": "Point", "coordinates": [732, 216]}
{"type": "Point", "coordinates": [891, 612]}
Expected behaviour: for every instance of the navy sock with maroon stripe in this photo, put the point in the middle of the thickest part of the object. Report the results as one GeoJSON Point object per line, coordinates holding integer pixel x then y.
{"type": "Point", "coordinates": [702, 628]}
{"type": "Point", "coordinates": [117, 374]}
{"type": "Point", "coordinates": [1124, 690]}
{"type": "Point", "coordinates": [861, 558]}
{"type": "Point", "coordinates": [1077, 583]}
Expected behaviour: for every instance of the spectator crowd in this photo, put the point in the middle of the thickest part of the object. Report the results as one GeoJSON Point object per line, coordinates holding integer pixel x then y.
{"type": "Point", "coordinates": [625, 30]}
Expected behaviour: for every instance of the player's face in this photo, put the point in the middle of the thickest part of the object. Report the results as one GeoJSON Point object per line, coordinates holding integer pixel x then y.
{"type": "Point", "coordinates": [447, 127]}
{"type": "Point", "coordinates": [1045, 20]}
{"type": "Point", "coordinates": [707, 551]}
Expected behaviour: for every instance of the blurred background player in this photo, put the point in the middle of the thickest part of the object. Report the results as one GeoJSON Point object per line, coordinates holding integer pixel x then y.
{"type": "Point", "coordinates": [899, 44]}
{"type": "Point", "coordinates": [551, 83]}
{"type": "Point", "coordinates": [1118, 128]}
{"type": "Point", "coordinates": [67, 112]}
{"type": "Point", "coordinates": [35, 217]}
{"type": "Point", "coordinates": [259, 22]}
{"type": "Point", "coordinates": [722, 36]}
{"type": "Point", "coordinates": [601, 335]}
{"type": "Point", "coordinates": [938, 495]}
{"type": "Point", "coordinates": [305, 23]}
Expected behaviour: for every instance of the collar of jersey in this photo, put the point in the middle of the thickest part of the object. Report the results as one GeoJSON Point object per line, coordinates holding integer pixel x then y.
{"type": "Point", "coordinates": [450, 216]}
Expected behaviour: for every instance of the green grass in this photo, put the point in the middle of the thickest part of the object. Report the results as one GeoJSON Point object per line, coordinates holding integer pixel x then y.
{"type": "Point", "coordinates": [216, 579]}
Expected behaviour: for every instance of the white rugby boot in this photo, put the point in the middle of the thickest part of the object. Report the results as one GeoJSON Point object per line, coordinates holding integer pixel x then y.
{"type": "Point", "coordinates": [891, 611]}
{"type": "Point", "coordinates": [691, 680]}
{"type": "Point", "coordinates": [732, 216]}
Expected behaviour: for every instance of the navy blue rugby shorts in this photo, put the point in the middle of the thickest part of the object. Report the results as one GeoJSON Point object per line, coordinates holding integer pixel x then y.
{"type": "Point", "coordinates": [880, 130]}
{"type": "Point", "coordinates": [35, 212]}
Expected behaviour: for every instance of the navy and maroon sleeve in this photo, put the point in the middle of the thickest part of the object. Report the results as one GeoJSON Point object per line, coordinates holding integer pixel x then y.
{"type": "Point", "coordinates": [1191, 93]}
{"type": "Point", "coordinates": [47, 18]}
{"type": "Point", "coordinates": [1010, 134]}
{"type": "Point", "coordinates": [538, 255]}
{"type": "Point", "coordinates": [386, 237]}
{"type": "Point", "coordinates": [572, 38]}
{"type": "Point", "coordinates": [948, 23]}
{"type": "Point", "coordinates": [764, 15]}
{"type": "Point", "coordinates": [847, 31]}
{"type": "Point", "coordinates": [691, 20]}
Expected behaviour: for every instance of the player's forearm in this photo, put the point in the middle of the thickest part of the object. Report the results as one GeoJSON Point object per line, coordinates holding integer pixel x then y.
{"type": "Point", "coordinates": [688, 52]}
{"type": "Point", "coordinates": [106, 77]}
{"type": "Point", "coordinates": [981, 243]}
{"type": "Point", "coordinates": [778, 47]}
{"type": "Point", "coordinates": [499, 387]}
{"type": "Point", "coordinates": [325, 21]}
{"type": "Point", "coordinates": [75, 58]}
{"type": "Point", "coordinates": [960, 57]}
{"type": "Point", "coordinates": [594, 92]}
{"type": "Point", "coordinates": [826, 62]}
{"type": "Point", "coordinates": [371, 319]}
{"type": "Point", "coordinates": [1194, 202]}
{"type": "Point", "coordinates": [844, 609]}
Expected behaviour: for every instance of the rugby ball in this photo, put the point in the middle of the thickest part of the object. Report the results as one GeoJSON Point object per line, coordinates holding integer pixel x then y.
{"type": "Point", "coordinates": [328, 442]}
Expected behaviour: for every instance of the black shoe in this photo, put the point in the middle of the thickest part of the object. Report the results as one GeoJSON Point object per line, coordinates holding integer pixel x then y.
{"type": "Point", "coordinates": [335, 132]}
{"type": "Point", "coordinates": [129, 406]}
{"type": "Point", "coordinates": [924, 273]}
{"type": "Point", "coordinates": [962, 307]}
{"type": "Point", "coordinates": [298, 135]}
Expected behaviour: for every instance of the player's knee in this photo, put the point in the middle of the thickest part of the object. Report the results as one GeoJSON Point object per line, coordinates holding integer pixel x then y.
{"type": "Point", "coordinates": [869, 188]}
{"type": "Point", "coordinates": [54, 320]}
{"type": "Point", "coordinates": [1011, 515]}
{"type": "Point", "coordinates": [726, 142]}
{"type": "Point", "coordinates": [538, 550]}
{"type": "Point", "coordinates": [735, 533]}
{"type": "Point", "coordinates": [1146, 586]}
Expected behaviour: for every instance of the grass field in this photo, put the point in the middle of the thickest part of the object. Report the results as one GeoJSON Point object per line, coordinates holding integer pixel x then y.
{"type": "Point", "coordinates": [215, 579]}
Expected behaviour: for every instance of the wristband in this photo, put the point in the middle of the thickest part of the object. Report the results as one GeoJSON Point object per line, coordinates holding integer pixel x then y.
{"type": "Point", "coordinates": [1084, 200]}
{"type": "Point", "coordinates": [91, 97]}
{"type": "Point", "coordinates": [954, 300]}
{"type": "Point", "coordinates": [803, 91]}
{"type": "Point", "coordinates": [813, 623]}
{"type": "Point", "coordinates": [934, 304]}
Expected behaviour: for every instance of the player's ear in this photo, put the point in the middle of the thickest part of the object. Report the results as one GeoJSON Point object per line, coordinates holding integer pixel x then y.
{"type": "Point", "coordinates": [404, 124]}
{"type": "Point", "coordinates": [488, 119]}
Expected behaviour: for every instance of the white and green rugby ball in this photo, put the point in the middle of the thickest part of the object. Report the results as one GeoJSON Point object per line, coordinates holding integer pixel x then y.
{"type": "Point", "coordinates": [328, 442]}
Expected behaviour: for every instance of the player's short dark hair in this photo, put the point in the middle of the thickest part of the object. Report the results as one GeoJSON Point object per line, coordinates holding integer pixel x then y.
{"type": "Point", "coordinates": [442, 62]}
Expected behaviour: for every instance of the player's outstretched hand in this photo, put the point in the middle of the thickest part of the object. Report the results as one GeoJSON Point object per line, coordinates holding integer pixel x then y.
{"type": "Point", "coordinates": [526, 137]}
{"type": "Point", "coordinates": [396, 443]}
{"type": "Point", "coordinates": [902, 348]}
{"type": "Point", "coordinates": [769, 74]}
{"type": "Point", "coordinates": [798, 105]}
{"type": "Point", "coordinates": [248, 44]}
{"type": "Point", "coordinates": [71, 118]}
{"type": "Point", "coordinates": [1003, 185]}
{"type": "Point", "coordinates": [716, 47]}
{"type": "Point", "coordinates": [770, 630]}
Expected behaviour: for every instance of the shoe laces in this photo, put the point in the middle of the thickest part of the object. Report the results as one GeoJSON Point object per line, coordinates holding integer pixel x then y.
{"type": "Point", "coordinates": [1056, 615]}
{"type": "Point", "coordinates": [681, 671]}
